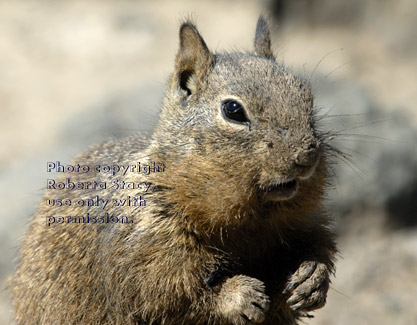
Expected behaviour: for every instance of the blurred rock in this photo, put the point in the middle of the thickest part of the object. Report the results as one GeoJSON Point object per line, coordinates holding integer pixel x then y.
{"type": "Point", "coordinates": [380, 17]}
{"type": "Point", "coordinates": [378, 167]}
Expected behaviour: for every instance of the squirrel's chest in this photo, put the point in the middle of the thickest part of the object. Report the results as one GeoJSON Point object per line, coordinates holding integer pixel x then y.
{"type": "Point", "coordinates": [270, 263]}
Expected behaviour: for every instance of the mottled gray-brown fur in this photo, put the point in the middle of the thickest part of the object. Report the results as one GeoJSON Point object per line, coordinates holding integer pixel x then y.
{"type": "Point", "coordinates": [235, 232]}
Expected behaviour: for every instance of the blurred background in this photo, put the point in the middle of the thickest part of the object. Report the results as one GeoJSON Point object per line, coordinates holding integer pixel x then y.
{"type": "Point", "coordinates": [75, 73]}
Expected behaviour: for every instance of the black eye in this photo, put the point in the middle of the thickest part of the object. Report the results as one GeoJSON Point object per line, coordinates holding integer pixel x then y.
{"type": "Point", "coordinates": [234, 111]}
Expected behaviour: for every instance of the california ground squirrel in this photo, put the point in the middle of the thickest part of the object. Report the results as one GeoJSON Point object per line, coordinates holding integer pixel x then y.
{"type": "Point", "coordinates": [233, 232]}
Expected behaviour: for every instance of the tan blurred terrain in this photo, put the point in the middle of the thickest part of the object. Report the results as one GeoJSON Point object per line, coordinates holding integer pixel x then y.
{"type": "Point", "coordinates": [74, 73]}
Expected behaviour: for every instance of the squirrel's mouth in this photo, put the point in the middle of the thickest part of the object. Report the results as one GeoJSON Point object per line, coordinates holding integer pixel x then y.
{"type": "Point", "coordinates": [280, 191]}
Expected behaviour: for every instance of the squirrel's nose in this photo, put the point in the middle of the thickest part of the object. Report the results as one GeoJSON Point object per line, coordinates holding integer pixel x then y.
{"type": "Point", "coordinates": [308, 155]}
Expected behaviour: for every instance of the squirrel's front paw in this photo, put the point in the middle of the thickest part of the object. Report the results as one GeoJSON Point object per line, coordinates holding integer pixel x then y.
{"type": "Point", "coordinates": [308, 286]}
{"type": "Point", "coordinates": [242, 300]}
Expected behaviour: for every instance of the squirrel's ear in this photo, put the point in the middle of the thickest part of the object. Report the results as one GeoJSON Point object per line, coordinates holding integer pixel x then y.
{"type": "Point", "coordinates": [193, 59]}
{"type": "Point", "coordinates": [263, 39]}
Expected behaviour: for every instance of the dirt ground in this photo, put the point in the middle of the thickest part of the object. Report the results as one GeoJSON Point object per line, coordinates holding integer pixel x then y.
{"type": "Point", "coordinates": [74, 73]}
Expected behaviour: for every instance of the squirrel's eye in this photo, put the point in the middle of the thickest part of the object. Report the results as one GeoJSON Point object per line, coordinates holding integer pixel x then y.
{"type": "Point", "coordinates": [232, 110]}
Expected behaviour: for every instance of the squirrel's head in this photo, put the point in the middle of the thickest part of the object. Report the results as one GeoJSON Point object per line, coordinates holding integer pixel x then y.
{"type": "Point", "coordinates": [239, 128]}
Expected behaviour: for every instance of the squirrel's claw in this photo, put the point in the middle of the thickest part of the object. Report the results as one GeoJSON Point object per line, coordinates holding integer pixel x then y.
{"type": "Point", "coordinates": [308, 286]}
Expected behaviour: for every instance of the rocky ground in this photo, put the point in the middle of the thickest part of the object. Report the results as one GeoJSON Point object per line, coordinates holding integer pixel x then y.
{"type": "Point", "coordinates": [76, 73]}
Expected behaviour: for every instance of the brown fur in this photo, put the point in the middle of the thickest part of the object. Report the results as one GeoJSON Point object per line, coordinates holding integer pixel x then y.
{"type": "Point", "coordinates": [212, 210]}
